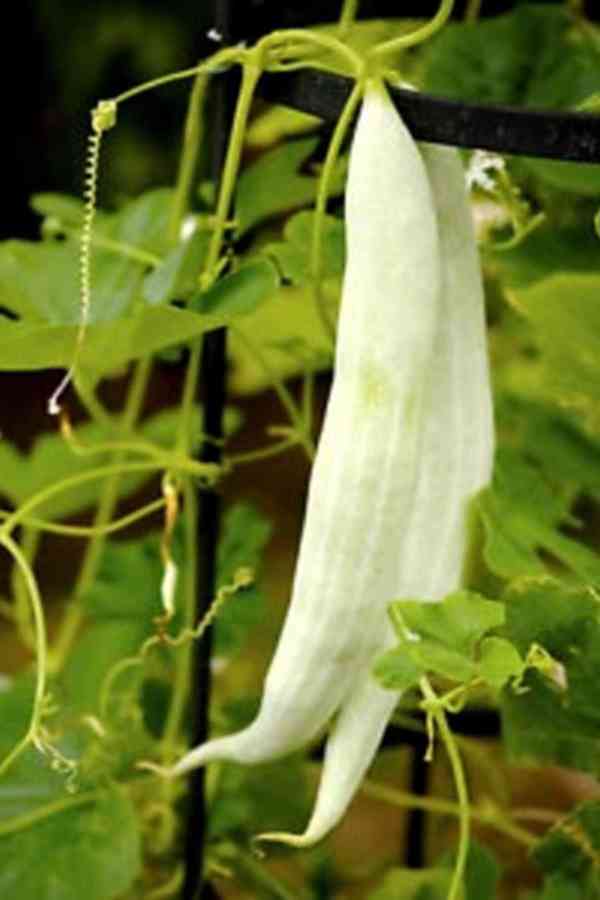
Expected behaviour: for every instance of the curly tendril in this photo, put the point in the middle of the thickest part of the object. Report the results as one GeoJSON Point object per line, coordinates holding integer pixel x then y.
{"type": "Point", "coordinates": [104, 117]}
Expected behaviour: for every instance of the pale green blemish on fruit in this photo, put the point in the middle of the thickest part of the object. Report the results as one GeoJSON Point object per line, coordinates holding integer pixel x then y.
{"type": "Point", "coordinates": [375, 388]}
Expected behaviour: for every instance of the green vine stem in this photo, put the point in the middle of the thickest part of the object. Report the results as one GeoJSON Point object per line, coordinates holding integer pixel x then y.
{"type": "Point", "coordinates": [473, 10]}
{"type": "Point", "coordinates": [74, 614]}
{"type": "Point", "coordinates": [211, 66]}
{"type": "Point", "coordinates": [417, 36]}
{"type": "Point", "coordinates": [41, 813]}
{"type": "Point", "coordinates": [87, 531]}
{"type": "Point", "coordinates": [489, 816]}
{"type": "Point", "coordinates": [192, 136]}
{"type": "Point", "coordinates": [435, 713]}
{"type": "Point", "coordinates": [347, 16]}
{"type": "Point", "coordinates": [41, 651]}
{"type": "Point", "coordinates": [333, 152]}
{"type": "Point", "coordinates": [30, 540]}
{"type": "Point", "coordinates": [90, 402]}
{"type": "Point", "coordinates": [278, 42]}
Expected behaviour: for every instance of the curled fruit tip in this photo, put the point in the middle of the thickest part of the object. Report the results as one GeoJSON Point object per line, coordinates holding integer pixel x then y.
{"type": "Point", "coordinates": [167, 772]}
{"type": "Point", "coordinates": [282, 837]}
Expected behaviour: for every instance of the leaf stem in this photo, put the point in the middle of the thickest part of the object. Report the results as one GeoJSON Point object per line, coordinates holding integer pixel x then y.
{"type": "Point", "coordinates": [436, 710]}
{"type": "Point", "coordinates": [74, 614]}
{"type": "Point", "coordinates": [490, 817]}
{"type": "Point", "coordinates": [86, 531]}
{"type": "Point", "coordinates": [189, 158]}
{"type": "Point", "coordinates": [41, 650]}
{"type": "Point", "coordinates": [418, 35]}
{"type": "Point", "coordinates": [347, 16]}
{"type": "Point", "coordinates": [30, 540]}
{"type": "Point", "coordinates": [473, 10]}
{"type": "Point", "coordinates": [27, 820]}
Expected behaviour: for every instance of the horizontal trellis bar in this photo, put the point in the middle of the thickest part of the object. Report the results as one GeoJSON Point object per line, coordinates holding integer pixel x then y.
{"type": "Point", "coordinates": [572, 137]}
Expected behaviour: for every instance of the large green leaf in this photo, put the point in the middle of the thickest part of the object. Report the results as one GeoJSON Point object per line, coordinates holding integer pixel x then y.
{"type": "Point", "coordinates": [241, 292]}
{"type": "Point", "coordinates": [572, 848]}
{"type": "Point", "coordinates": [555, 719]}
{"type": "Point", "coordinates": [177, 276]}
{"type": "Point", "coordinates": [409, 884]}
{"type": "Point", "coordinates": [39, 282]}
{"type": "Point", "coordinates": [293, 254]}
{"type": "Point", "coordinates": [554, 439]}
{"type": "Point", "coordinates": [107, 346]}
{"type": "Point", "coordinates": [444, 638]}
{"type": "Point", "coordinates": [522, 513]}
{"type": "Point", "coordinates": [565, 316]}
{"type": "Point", "coordinates": [92, 851]}
{"type": "Point", "coordinates": [531, 56]}
{"type": "Point", "coordinates": [549, 250]}
{"type": "Point", "coordinates": [275, 184]}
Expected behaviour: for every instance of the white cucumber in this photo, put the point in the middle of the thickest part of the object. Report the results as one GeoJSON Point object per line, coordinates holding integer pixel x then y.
{"type": "Point", "coordinates": [456, 461]}
{"type": "Point", "coordinates": [365, 476]}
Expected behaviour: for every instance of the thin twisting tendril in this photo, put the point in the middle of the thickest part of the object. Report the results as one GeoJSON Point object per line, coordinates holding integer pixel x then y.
{"type": "Point", "coordinates": [103, 118]}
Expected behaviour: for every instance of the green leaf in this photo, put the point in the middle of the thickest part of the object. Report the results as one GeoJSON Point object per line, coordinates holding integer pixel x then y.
{"type": "Point", "coordinates": [274, 184]}
{"type": "Point", "coordinates": [549, 250]}
{"type": "Point", "coordinates": [494, 60]}
{"type": "Point", "coordinates": [107, 346]}
{"type": "Point", "coordinates": [531, 56]}
{"type": "Point", "coordinates": [550, 613]}
{"type": "Point", "coordinates": [92, 851]}
{"type": "Point", "coordinates": [245, 535]}
{"type": "Point", "coordinates": [556, 719]}
{"type": "Point", "coordinates": [482, 872]}
{"type": "Point", "coordinates": [39, 282]}
{"type": "Point", "coordinates": [251, 799]}
{"type": "Point", "coordinates": [397, 670]}
{"type": "Point", "coordinates": [539, 726]}
{"type": "Point", "coordinates": [442, 638]}
{"type": "Point", "coordinates": [178, 274]}
{"type": "Point", "coordinates": [64, 208]}
{"type": "Point", "coordinates": [288, 317]}
{"type": "Point", "coordinates": [559, 887]}
{"type": "Point", "coordinates": [143, 222]}
{"type": "Point", "coordinates": [554, 439]}
{"type": "Point", "coordinates": [565, 316]}
{"type": "Point", "coordinates": [571, 848]}
{"type": "Point", "coordinates": [410, 884]}
{"type": "Point", "coordinates": [240, 293]}
{"type": "Point", "coordinates": [499, 662]}
{"type": "Point", "coordinates": [121, 607]}
{"type": "Point", "coordinates": [521, 514]}
{"type": "Point", "coordinates": [443, 660]}
{"type": "Point", "coordinates": [30, 782]}
{"type": "Point", "coordinates": [457, 622]}
{"type": "Point", "coordinates": [293, 254]}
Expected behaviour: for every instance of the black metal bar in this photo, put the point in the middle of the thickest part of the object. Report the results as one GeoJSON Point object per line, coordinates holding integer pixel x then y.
{"type": "Point", "coordinates": [573, 137]}
{"type": "Point", "coordinates": [212, 380]}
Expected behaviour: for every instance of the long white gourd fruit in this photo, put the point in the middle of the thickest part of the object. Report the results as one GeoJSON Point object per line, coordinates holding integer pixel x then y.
{"type": "Point", "coordinates": [364, 479]}
{"type": "Point", "coordinates": [456, 461]}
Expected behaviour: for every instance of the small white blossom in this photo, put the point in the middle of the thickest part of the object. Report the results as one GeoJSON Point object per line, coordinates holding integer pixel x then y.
{"type": "Point", "coordinates": [481, 164]}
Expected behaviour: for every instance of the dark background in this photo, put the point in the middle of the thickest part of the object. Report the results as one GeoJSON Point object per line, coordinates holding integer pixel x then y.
{"type": "Point", "coordinates": [67, 54]}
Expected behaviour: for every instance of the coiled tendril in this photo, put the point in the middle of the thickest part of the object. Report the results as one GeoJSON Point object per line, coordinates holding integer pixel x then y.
{"type": "Point", "coordinates": [104, 116]}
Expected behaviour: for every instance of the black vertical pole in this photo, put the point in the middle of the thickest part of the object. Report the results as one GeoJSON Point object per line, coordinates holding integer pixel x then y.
{"type": "Point", "coordinates": [212, 377]}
